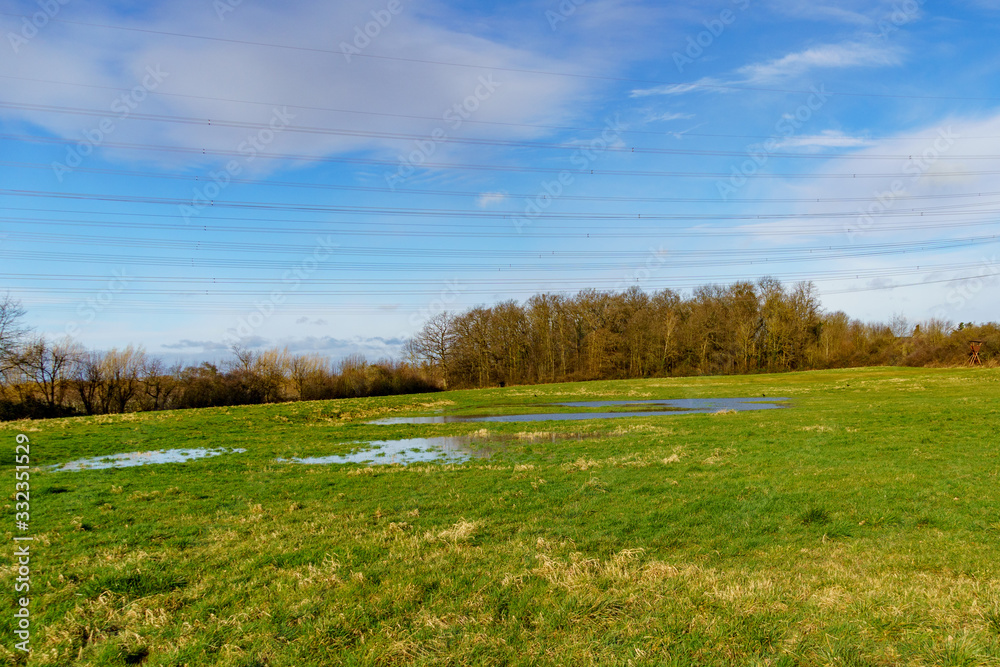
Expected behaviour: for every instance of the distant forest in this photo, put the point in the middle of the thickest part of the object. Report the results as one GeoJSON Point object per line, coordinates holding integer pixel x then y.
{"type": "Point", "coordinates": [41, 378]}
{"type": "Point", "coordinates": [745, 327]}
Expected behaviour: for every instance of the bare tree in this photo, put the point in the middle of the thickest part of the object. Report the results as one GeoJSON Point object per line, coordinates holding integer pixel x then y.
{"type": "Point", "coordinates": [353, 372]}
{"type": "Point", "coordinates": [271, 367]}
{"type": "Point", "coordinates": [88, 380]}
{"type": "Point", "coordinates": [900, 326]}
{"type": "Point", "coordinates": [12, 330]}
{"type": "Point", "coordinates": [260, 375]}
{"type": "Point", "coordinates": [48, 367]}
{"type": "Point", "coordinates": [434, 343]}
{"type": "Point", "coordinates": [307, 373]}
{"type": "Point", "coordinates": [158, 382]}
{"type": "Point", "coordinates": [241, 368]}
{"type": "Point", "coordinates": [122, 369]}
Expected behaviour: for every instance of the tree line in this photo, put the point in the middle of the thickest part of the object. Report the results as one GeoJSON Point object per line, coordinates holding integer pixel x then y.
{"type": "Point", "coordinates": [744, 327]}
{"type": "Point", "coordinates": [41, 378]}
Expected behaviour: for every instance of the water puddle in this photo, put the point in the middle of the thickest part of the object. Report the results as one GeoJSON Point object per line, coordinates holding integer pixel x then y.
{"type": "Point", "coordinates": [639, 409]}
{"type": "Point", "coordinates": [132, 459]}
{"type": "Point", "coordinates": [450, 449]}
{"type": "Point", "coordinates": [447, 449]}
{"type": "Point", "coordinates": [689, 405]}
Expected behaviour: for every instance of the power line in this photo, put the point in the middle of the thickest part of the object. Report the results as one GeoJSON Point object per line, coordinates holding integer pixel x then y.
{"type": "Point", "coordinates": [335, 259]}
{"type": "Point", "coordinates": [429, 230]}
{"type": "Point", "coordinates": [472, 121]}
{"type": "Point", "coordinates": [953, 209]}
{"type": "Point", "coordinates": [479, 193]}
{"type": "Point", "coordinates": [474, 141]}
{"type": "Point", "coordinates": [458, 166]}
{"type": "Point", "coordinates": [478, 66]}
{"type": "Point", "coordinates": [714, 253]}
{"type": "Point", "coordinates": [213, 281]}
{"type": "Point", "coordinates": [465, 289]}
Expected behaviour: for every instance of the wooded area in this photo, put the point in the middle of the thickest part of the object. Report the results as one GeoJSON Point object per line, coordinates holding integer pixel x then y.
{"type": "Point", "coordinates": [739, 328]}
{"type": "Point", "coordinates": [40, 378]}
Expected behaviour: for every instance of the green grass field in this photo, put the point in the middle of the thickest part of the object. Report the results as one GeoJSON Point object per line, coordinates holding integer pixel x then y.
{"type": "Point", "coordinates": [859, 527]}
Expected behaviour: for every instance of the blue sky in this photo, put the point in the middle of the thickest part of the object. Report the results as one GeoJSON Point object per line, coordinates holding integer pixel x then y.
{"type": "Point", "coordinates": [294, 181]}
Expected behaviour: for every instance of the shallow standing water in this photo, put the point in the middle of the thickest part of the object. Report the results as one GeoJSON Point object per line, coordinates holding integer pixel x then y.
{"type": "Point", "coordinates": [669, 407]}
{"type": "Point", "coordinates": [132, 459]}
{"type": "Point", "coordinates": [450, 449]}
{"type": "Point", "coordinates": [690, 405]}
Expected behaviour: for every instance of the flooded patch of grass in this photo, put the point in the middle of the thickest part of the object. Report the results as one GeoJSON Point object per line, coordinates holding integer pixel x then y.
{"type": "Point", "coordinates": [443, 449]}
{"type": "Point", "coordinates": [448, 449]}
{"type": "Point", "coordinates": [132, 459]}
{"type": "Point", "coordinates": [615, 410]}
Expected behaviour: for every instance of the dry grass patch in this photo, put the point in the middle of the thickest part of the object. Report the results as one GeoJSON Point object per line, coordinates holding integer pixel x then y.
{"type": "Point", "coordinates": [581, 464]}
{"type": "Point", "coordinates": [461, 531]}
{"type": "Point", "coordinates": [577, 572]}
{"type": "Point", "coordinates": [640, 428]}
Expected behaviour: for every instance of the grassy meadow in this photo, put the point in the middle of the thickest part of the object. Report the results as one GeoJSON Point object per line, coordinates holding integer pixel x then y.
{"type": "Point", "coordinates": [859, 527]}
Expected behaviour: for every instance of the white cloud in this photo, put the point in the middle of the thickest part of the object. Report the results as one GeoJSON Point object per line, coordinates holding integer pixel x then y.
{"type": "Point", "coordinates": [829, 56]}
{"type": "Point", "coordinates": [818, 11]}
{"type": "Point", "coordinates": [491, 198]}
{"type": "Point", "coordinates": [211, 72]}
{"type": "Point", "coordinates": [932, 161]}
{"type": "Point", "coordinates": [680, 88]}
{"type": "Point", "coordinates": [862, 13]}
{"type": "Point", "coordinates": [375, 347]}
{"type": "Point", "coordinates": [826, 139]}
{"type": "Point", "coordinates": [201, 345]}
{"type": "Point", "coordinates": [790, 66]}
{"type": "Point", "coordinates": [668, 116]}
